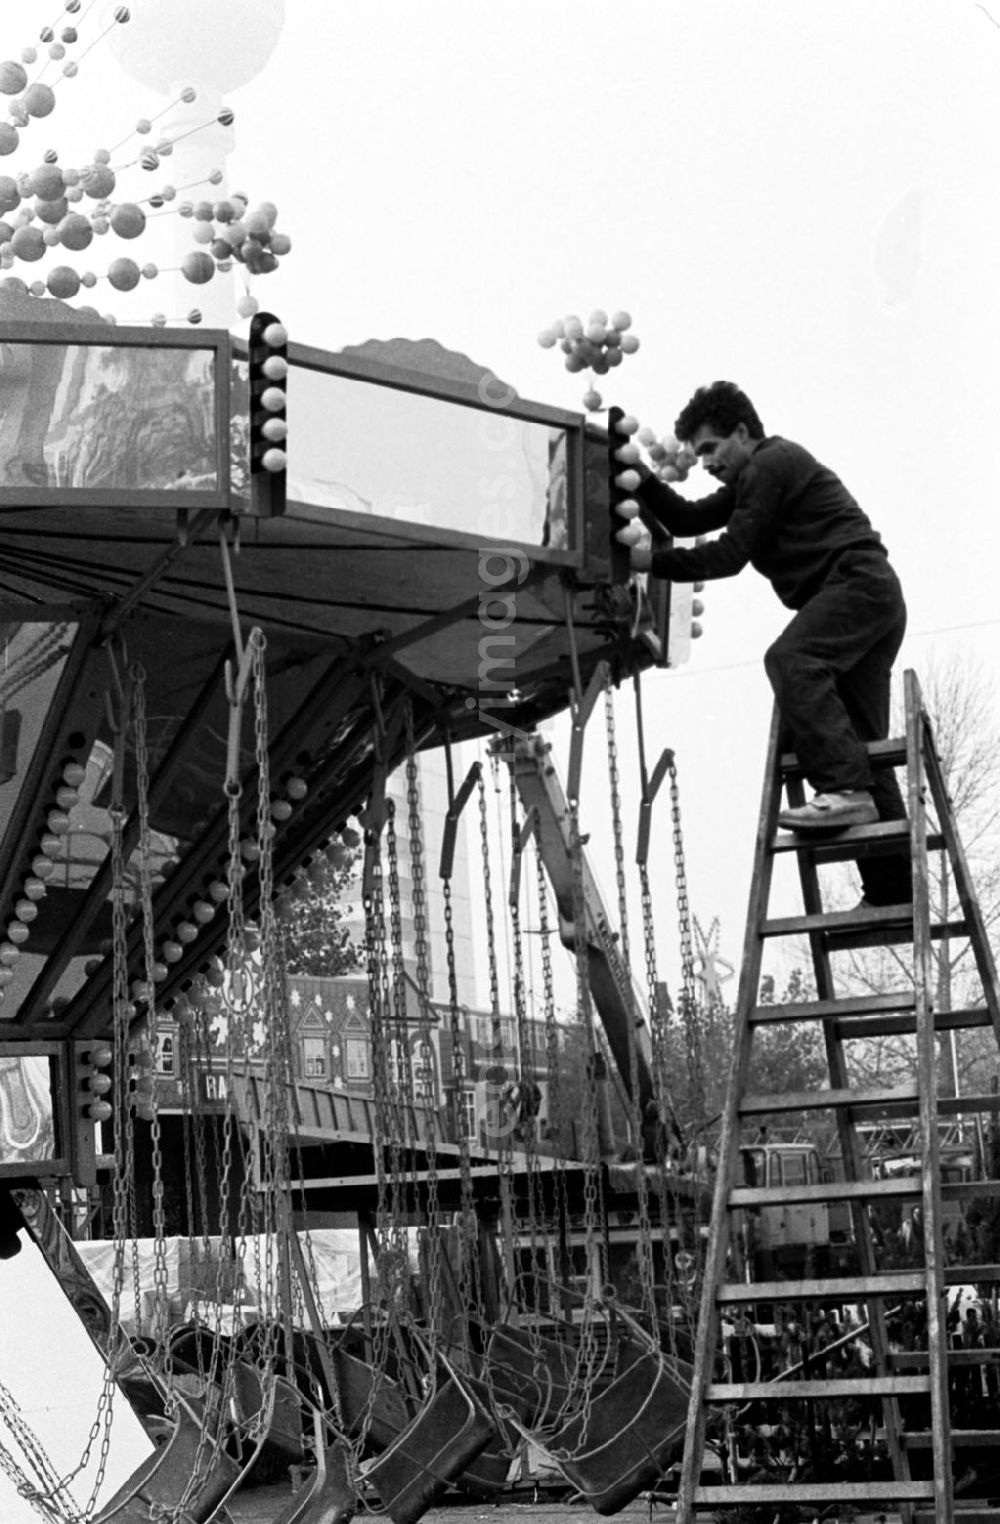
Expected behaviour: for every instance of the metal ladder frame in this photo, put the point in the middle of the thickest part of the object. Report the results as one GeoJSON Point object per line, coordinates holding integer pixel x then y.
{"type": "Point", "coordinates": [909, 1010]}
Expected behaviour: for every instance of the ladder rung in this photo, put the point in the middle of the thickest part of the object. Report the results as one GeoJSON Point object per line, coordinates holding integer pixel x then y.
{"type": "Point", "coordinates": [888, 753]}
{"type": "Point", "coordinates": [823, 1100]}
{"type": "Point", "coordinates": [897, 1188]}
{"type": "Point", "coordinates": [843, 1288]}
{"type": "Point", "coordinates": [968, 1275]}
{"type": "Point", "coordinates": [812, 1492]}
{"type": "Point", "coordinates": [852, 842]}
{"type": "Point", "coordinates": [955, 1105]}
{"type": "Point", "coordinates": [969, 1190]}
{"type": "Point", "coordinates": [846, 930]}
{"type": "Point", "coordinates": [792, 1391]}
{"type": "Point", "coordinates": [972, 1513]}
{"type": "Point", "coordinates": [847, 843]}
{"type": "Point", "coordinates": [878, 918]}
{"type": "Point", "coordinates": [832, 1190]}
{"type": "Point", "coordinates": [914, 1359]}
{"type": "Point", "coordinates": [855, 1006]}
{"type": "Point", "coordinates": [895, 1026]}
{"type": "Point", "coordinates": [923, 1439]}
{"type": "Point", "coordinates": [889, 935]}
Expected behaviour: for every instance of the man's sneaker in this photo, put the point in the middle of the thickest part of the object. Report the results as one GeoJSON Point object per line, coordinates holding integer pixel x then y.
{"type": "Point", "coordinates": [831, 812]}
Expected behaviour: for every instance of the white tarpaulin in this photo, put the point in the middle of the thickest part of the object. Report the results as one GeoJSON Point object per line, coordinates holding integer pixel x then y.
{"type": "Point", "coordinates": [244, 1282]}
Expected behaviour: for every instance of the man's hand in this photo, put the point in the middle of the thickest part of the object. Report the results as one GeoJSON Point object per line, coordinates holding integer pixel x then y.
{"type": "Point", "coordinates": [641, 557]}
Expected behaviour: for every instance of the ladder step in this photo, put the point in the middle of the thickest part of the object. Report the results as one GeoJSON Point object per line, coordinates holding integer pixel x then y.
{"type": "Point", "coordinates": [914, 1359]}
{"type": "Point", "coordinates": [820, 1010]}
{"type": "Point", "coordinates": [823, 1100]}
{"type": "Point", "coordinates": [923, 1439]}
{"type": "Point", "coordinates": [792, 1391]}
{"type": "Point", "coordinates": [895, 1026]}
{"type": "Point", "coordinates": [897, 1188]}
{"type": "Point", "coordinates": [845, 930]}
{"type": "Point", "coordinates": [852, 842]}
{"type": "Point", "coordinates": [878, 918]}
{"type": "Point", "coordinates": [813, 1492]}
{"type": "Point", "coordinates": [888, 753]}
{"type": "Point", "coordinates": [842, 1288]}
{"type": "Point", "coordinates": [968, 1275]}
{"type": "Point", "coordinates": [891, 936]}
{"type": "Point", "coordinates": [955, 1105]}
{"type": "Point", "coordinates": [902, 1188]}
{"type": "Point", "coordinates": [851, 1288]}
{"type": "Point", "coordinates": [972, 1513]}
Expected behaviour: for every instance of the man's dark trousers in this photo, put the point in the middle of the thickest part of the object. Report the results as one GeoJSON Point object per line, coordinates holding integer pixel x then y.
{"type": "Point", "coordinates": [831, 670]}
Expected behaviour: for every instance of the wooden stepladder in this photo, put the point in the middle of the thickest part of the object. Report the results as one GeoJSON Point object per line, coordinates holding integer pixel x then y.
{"type": "Point", "coordinates": [909, 1387]}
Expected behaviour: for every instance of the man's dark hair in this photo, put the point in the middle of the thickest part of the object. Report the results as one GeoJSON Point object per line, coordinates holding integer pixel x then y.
{"type": "Point", "coordinates": [721, 406]}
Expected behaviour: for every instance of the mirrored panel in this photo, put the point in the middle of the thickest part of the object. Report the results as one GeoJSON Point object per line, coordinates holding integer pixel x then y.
{"type": "Point", "coordinates": [27, 1125]}
{"type": "Point", "coordinates": [108, 418]}
{"type": "Point", "coordinates": [364, 448]}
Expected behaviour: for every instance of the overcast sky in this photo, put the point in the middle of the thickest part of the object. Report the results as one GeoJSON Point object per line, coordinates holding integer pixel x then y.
{"type": "Point", "coordinates": [800, 198]}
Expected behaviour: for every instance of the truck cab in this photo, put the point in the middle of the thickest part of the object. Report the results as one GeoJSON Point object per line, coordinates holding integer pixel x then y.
{"type": "Point", "coordinates": [783, 1237]}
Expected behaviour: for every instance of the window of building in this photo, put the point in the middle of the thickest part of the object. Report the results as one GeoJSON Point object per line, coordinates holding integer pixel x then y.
{"type": "Point", "coordinates": [165, 1055]}
{"type": "Point", "coordinates": [467, 1115]}
{"type": "Point", "coordinates": [314, 1057]}
{"type": "Point", "coordinates": [357, 1055]}
{"type": "Point", "coordinates": [423, 1073]}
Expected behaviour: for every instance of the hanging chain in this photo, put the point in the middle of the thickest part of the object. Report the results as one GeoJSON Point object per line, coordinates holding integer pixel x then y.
{"type": "Point", "coordinates": [644, 1243]}
{"type": "Point", "coordinates": [266, 993]}
{"type": "Point", "coordinates": [48, 1494]}
{"type": "Point", "coordinates": [387, 1269]}
{"type": "Point", "coordinates": [400, 1085]}
{"type": "Point", "coordinates": [588, 1354]}
{"type": "Point", "coordinates": [402, 1067]}
{"type": "Point", "coordinates": [689, 1004]}
{"type": "Point", "coordinates": [663, 1106]}
{"type": "Point", "coordinates": [523, 1107]}
{"type": "Point", "coordinates": [151, 1035]}
{"type": "Point", "coordinates": [467, 1265]}
{"type": "Point", "coordinates": [691, 1022]}
{"type": "Point", "coordinates": [425, 1018]}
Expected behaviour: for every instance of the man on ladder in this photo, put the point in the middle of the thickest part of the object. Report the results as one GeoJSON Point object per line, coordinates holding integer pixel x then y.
{"type": "Point", "coordinates": [793, 520]}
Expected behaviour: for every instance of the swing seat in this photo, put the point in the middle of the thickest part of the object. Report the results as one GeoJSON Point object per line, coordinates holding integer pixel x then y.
{"type": "Point", "coordinates": [447, 1433]}
{"type": "Point", "coordinates": [625, 1437]}
{"type": "Point", "coordinates": [329, 1497]}
{"type": "Point", "coordinates": [531, 1375]}
{"type": "Point", "coordinates": [282, 1442]}
{"type": "Point", "coordinates": [201, 1354]}
{"type": "Point", "coordinates": [387, 1415]}
{"type": "Point", "coordinates": [158, 1485]}
{"type": "Point", "coordinates": [488, 1473]}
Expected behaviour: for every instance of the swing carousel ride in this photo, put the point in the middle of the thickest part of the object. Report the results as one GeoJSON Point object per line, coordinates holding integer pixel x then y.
{"type": "Point", "coordinates": [217, 658]}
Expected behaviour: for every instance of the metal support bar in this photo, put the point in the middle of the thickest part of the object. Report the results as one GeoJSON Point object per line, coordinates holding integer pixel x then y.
{"type": "Point", "coordinates": [649, 792]}
{"type": "Point", "coordinates": [451, 819]}
{"type": "Point", "coordinates": [528, 829]}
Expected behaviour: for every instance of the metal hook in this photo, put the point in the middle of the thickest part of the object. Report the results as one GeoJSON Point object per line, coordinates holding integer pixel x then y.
{"type": "Point", "coordinates": [118, 724]}
{"type": "Point", "coordinates": [456, 805]}
{"type": "Point", "coordinates": [236, 693]}
{"type": "Point", "coordinates": [528, 829]}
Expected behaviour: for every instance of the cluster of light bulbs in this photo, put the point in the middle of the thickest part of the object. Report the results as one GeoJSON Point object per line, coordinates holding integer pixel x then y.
{"type": "Point", "coordinates": [51, 848]}
{"type": "Point", "coordinates": [40, 210]}
{"type": "Point", "coordinates": [669, 460]}
{"type": "Point", "coordinates": [204, 909]}
{"type": "Point", "coordinates": [598, 344]}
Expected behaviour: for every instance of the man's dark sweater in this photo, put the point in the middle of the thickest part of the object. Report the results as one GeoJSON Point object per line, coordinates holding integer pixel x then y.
{"type": "Point", "coordinates": [785, 514]}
